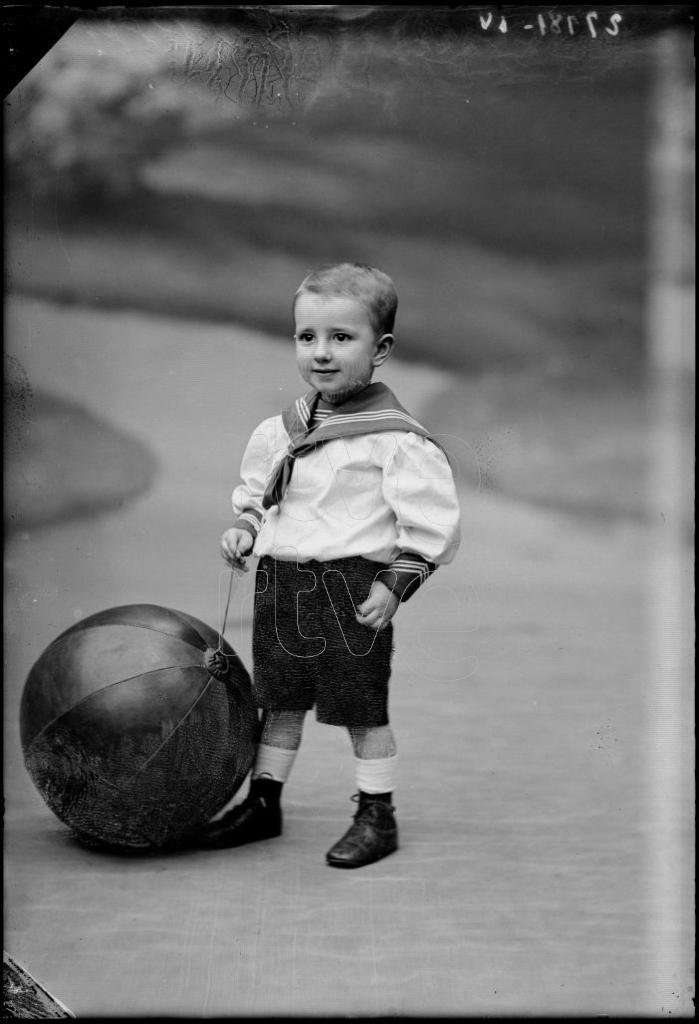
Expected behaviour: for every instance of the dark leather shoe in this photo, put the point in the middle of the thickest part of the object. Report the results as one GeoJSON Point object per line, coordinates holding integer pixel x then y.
{"type": "Point", "coordinates": [372, 835]}
{"type": "Point", "coordinates": [250, 821]}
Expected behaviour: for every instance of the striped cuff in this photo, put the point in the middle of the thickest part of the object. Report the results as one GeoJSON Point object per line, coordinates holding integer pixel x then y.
{"type": "Point", "coordinates": [406, 574]}
{"type": "Point", "coordinates": [249, 519]}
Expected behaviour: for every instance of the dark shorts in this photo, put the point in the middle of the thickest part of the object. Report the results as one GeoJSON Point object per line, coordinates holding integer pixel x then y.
{"type": "Point", "coordinates": [308, 649]}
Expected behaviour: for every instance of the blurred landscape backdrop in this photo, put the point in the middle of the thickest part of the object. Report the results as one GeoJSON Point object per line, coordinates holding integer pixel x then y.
{"type": "Point", "coordinates": [200, 168]}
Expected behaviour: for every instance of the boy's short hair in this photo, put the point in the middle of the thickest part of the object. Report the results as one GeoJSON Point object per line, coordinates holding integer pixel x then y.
{"type": "Point", "coordinates": [371, 286]}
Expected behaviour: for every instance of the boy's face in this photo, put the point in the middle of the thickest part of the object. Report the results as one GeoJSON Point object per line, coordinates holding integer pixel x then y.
{"type": "Point", "coordinates": [337, 347]}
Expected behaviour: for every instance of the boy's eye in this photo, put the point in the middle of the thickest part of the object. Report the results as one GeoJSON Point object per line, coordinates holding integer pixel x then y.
{"type": "Point", "coordinates": [342, 337]}
{"type": "Point", "coordinates": [304, 337]}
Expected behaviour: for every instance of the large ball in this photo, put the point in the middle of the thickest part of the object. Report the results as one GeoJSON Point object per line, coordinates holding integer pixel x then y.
{"type": "Point", "coordinates": [137, 725]}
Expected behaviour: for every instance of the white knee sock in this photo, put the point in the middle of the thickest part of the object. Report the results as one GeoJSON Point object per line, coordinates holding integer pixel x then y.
{"type": "Point", "coordinates": [376, 774]}
{"type": "Point", "coordinates": [273, 761]}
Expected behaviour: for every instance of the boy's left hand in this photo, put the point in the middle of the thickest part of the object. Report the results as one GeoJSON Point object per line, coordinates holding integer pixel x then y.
{"type": "Point", "coordinates": [379, 608]}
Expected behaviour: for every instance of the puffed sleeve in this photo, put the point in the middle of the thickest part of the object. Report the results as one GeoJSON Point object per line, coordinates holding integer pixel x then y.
{"type": "Point", "coordinates": [419, 487]}
{"type": "Point", "coordinates": [264, 451]}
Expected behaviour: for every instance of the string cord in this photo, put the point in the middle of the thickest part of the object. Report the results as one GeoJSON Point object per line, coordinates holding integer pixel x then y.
{"type": "Point", "coordinates": [219, 649]}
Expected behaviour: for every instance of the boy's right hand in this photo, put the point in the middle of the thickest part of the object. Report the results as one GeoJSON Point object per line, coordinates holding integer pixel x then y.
{"type": "Point", "coordinates": [235, 545]}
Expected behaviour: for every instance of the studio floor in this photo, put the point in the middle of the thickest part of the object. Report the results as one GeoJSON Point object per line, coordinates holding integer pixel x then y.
{"type": "Point", "coordinates": [526, 880]}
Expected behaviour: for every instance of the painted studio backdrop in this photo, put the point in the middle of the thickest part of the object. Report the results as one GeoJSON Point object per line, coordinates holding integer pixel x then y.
{"type": "Point", "coordinates": [524, 174]}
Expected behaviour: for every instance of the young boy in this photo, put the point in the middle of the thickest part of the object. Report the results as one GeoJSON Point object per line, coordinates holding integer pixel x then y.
{"type": "Point", "coordinates": [350, 507]}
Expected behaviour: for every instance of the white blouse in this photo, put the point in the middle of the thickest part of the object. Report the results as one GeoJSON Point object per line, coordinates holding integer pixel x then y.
{"type": "Point", "coordinates": [378, 495]}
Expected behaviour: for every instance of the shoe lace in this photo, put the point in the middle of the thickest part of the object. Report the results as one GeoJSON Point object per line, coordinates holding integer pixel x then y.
{"type": "Point", "coordinates": [257, 797]}
{"type": "Point", "coordinates": [365, 802]}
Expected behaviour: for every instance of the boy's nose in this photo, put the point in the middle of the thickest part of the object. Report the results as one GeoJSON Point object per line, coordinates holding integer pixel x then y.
{"type": "Point", "coordinates": [322, 349]}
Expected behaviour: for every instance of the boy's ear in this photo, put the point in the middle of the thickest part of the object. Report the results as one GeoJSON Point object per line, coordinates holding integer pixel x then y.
{"type": "Point", "coordinates": [383, 349]}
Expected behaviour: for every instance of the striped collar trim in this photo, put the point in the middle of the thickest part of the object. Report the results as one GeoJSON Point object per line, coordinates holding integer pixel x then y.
{"type": "Point", "coordinates": [375, 404]}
